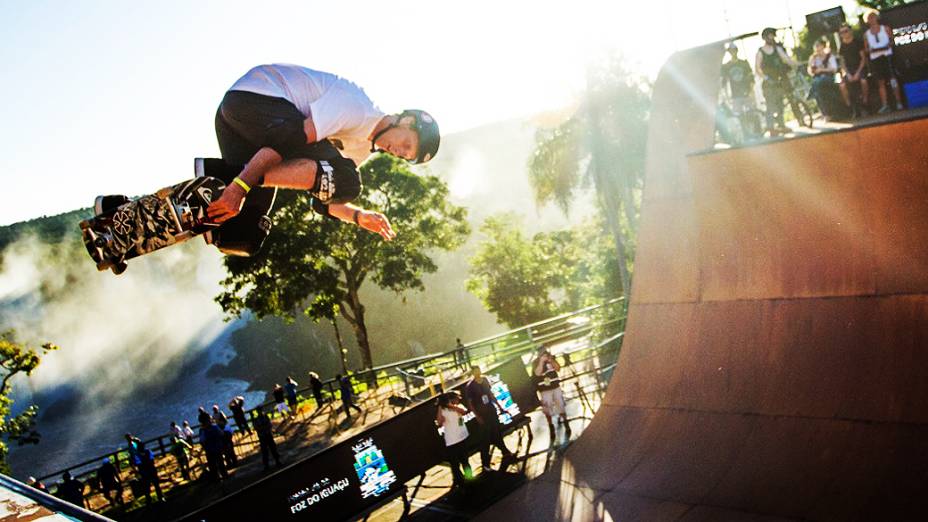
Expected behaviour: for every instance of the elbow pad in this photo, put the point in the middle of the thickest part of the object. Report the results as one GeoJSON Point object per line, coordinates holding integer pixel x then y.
{"type": "Point", "coordinates": [321, 208]}
{"type": "Point", "coordinates": [337, 181]}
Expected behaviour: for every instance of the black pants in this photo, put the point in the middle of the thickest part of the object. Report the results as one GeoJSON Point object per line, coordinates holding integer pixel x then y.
{"type": "Point", "coordinates": [457, 458]}
{"type": "Point", "coordinates": [216, 465]}
{"type": "Point", "coordinates": [347, 404]}
{"type": "Point", "coordinates": [245, 123]}
{"type": "Point", "coordinates": [491, 434]}
{"type": "Point", "coordinates": [268, 448]}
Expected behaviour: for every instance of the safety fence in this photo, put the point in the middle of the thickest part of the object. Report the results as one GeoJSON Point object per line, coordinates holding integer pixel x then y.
{"type": "Point", "coordinates": [586, 340]}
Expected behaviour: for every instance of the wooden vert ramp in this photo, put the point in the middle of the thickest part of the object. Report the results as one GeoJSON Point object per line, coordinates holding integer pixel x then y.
{"type": "Point", "coordinates": [776, 357]}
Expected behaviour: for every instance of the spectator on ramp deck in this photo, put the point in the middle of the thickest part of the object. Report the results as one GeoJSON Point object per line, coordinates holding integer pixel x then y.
{"type": "Point", "coordinates": [773, 65]}
{"type": "Point", "coordinates": [823, 66]}
{"type": "Point", "coordinates": [879, 43]}
{"type": "Point", "coordinates": [855, 90]}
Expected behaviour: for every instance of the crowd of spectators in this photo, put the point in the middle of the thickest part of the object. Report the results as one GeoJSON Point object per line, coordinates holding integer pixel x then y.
{"type": "Point", "coordinates": [841, 81]}
{"type": "Point", "coordinates": [212, 446]}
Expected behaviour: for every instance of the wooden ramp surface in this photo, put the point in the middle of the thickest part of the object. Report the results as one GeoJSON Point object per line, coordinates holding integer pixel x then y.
{"type": "Point", "coordinates": [776, 357]}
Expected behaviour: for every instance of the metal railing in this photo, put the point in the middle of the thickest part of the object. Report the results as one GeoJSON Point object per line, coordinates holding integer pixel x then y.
{"type": "Point", "coordinates": [418, 378]}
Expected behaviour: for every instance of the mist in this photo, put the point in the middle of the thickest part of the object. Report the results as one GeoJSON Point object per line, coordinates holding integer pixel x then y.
{"type": "Point", "coordinates": [118, 336]}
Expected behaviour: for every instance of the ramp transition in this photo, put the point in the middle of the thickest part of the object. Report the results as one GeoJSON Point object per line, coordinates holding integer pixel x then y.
{"type": "Point", "coordinates": [775, 364]}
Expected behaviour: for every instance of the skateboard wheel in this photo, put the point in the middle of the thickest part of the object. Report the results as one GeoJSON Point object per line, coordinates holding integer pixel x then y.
{"type": "Point", "coordinates": [119, 268]}
{"type": "Point", "coordinates": [99, 242]}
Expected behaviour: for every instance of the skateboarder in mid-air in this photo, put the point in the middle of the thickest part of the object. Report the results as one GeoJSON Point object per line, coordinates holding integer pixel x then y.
{"type": "Point", "coordinates": [279, 126]}
{"type": "Point", "coordinates": [298, 128]}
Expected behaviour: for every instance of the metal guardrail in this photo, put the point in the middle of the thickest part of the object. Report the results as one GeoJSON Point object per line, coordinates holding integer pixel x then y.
{"type": "Point", "coordinates": [419, 376]}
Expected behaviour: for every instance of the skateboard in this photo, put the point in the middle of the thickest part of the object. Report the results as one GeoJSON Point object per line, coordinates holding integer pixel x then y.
{"type": "Point", "coordinates": [123, 229]}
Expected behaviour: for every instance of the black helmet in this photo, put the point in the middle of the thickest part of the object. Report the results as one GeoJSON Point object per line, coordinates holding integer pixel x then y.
{"type": "Point", "coordinates": [426, 129]}
{"type": "Point", "coordinates": [766, 31]}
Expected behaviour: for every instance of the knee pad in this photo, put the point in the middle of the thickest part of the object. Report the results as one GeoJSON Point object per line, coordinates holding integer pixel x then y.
{"type": "Point", "coordinates": [337, 181]}
{"type": "Point", "coordinates": [242, 238]}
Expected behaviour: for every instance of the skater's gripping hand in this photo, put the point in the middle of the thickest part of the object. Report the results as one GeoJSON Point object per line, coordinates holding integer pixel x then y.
{"type": "Point", "coordinates": [376, 223]}
{"type": "Point", "coordinates": [228, 205]}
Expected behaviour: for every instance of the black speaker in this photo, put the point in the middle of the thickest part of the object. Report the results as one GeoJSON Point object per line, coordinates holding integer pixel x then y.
{"type": "Point", "coordinates": [825, 22]}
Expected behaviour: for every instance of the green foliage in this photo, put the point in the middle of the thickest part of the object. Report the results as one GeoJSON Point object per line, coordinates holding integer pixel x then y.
{"type": "Point", "coordinates": [882, 4]}
{"type": "Point", "coordinates": [51, 229]}
{"type": "Point", "coordinates": [316, 266]}
{"type": "Point", "coordinates": [523, 280]}
{"type": "Point", "coordinates": [15, 359]}
{"type": "Point", "coordinates": [602, 145]}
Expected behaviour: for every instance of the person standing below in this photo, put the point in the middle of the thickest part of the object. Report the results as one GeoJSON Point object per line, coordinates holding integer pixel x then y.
{"type": "Point", "coordinates": [773, 65]}
{"type": "Point", "coordinates": [110, 482]}
{"type": "Point", "coordinates": [879, 45]}
{"type": "Point", "coordinates": [344, 385]}
{"type": "Point", "coordinates": [228, 447]}
{"type": "Point", "coordinates": [316, 386]}
{"type": "Point", "coordinates": [148, 474]}
{"type": "Point", "coordinates": [219, 417]}
{"type": "Point", "coordinates": [290, 389]}
{"type": "Point", "coordinates": [237, 407]}
{"type": "Point", "coordinates": [280, 404]}
{"type": "Point", "coordinates": [37, 484]}
{"type": "Point", "coordinates": [212, 439]}
{"type": "Point", "coordinates": [480, 400]}
{"type": "Point", "coordinates": [461, 355]}
{"type": "Point", "coordinates": [450, 417]}
{"type": "Point", "coordinates": [823, 66]}
{"type": "Point", "coordinates": [181, 451]}
{"type": "Point", "coordinates": [853, 72]}
{"type": "Point", "coordinates": [545, 369]}
{"type": "Point", "coordinates": [71, 490]}
{"type": "Point", "coordinates": [188, 433]}
{"type": "Point", "coordinates": [134, 449]}
{"type": "Point", "coordinates": [176, 431]}
{"type": "Point", "coordinates": [265, 432]}
{"type": "Point", "coordinates": [203, 416]}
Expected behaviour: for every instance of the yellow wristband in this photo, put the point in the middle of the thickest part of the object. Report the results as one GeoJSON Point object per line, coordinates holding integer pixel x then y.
{"type": "Point", "coordinates": [239, 182]}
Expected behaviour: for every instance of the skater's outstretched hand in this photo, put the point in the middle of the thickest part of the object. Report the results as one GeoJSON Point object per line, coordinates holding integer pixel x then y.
{"type": "Point", "coordinates": [228, 205]}
{"type": "Point", "coordinates": [377, 223]}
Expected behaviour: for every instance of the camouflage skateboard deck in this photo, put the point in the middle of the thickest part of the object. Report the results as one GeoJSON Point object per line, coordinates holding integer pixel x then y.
{"type": "Point", "coordinates": [172, 215]}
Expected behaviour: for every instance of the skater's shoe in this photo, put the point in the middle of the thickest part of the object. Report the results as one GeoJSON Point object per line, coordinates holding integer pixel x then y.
{"type": "Point", "coordinates": [884, 109]}
{"type": "Point", "coordinates": [103, 204]}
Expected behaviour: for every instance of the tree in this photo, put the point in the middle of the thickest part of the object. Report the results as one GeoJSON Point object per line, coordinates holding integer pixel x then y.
{"type": "Point", "coordinates": [603, 145]}
{"type": "Point", "coordinates": [15, 359]}
{"type": "Point", "coordinates": [316, 266]}
{"type": "Point", "coordinates": [882, 4]}
{"type": "Point", "coordinates": [523, 280]}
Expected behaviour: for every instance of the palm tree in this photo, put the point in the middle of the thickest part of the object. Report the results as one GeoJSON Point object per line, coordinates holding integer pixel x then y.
{"type": "Point", "coordinates": [603, 145]}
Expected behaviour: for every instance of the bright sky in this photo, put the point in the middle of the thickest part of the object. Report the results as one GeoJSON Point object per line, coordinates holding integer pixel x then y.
{"type": "Point", "coordinates": [102, 97]}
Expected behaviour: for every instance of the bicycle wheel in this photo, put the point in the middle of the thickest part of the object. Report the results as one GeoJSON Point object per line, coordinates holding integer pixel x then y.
{"type": "Point", "coordinates": [801, 112]}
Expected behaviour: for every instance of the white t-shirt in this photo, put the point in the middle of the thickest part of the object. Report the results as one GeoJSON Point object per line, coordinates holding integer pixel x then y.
{"type": "Point", "coordinates": [341, 111]}
{"type": "Point", "coordinates": [455, 429]}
